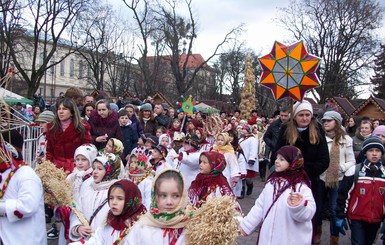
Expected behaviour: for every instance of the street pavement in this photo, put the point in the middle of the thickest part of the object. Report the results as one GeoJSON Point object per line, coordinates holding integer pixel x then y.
{"type": "Point", "coordinates": [248, 202]}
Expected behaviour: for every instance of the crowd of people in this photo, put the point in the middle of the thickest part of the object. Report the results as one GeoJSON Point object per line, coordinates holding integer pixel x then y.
{"type": "Point", "coordinates": [135, 167]}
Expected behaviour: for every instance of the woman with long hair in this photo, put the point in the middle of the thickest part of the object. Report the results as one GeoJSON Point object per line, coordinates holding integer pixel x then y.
{"type": "Point", "coordinates": [65, 133]}
{"type": "Point", "coordinates": [304, 132]}
{"type": "Point", "coordinates": [147, 120]}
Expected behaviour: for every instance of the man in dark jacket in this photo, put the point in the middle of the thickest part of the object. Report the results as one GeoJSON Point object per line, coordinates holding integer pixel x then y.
{"type": "Point", "coordinates": [271, 135]}
{"type": "Point", "coordinates": [160, 118]}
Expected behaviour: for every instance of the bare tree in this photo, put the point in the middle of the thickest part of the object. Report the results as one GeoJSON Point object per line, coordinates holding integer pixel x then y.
{"type": "Point", "coordinates": [178, 31]}
{"type": "Point", "coordinates": [32, 30]}
{"type": "Point", "coordinates": [99, 34]}
{"type": "Point", "coordinates": [341, 33]}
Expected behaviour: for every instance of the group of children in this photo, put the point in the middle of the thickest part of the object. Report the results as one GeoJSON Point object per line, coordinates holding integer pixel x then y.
{"type": "Point", "coordinates": [145, 201]}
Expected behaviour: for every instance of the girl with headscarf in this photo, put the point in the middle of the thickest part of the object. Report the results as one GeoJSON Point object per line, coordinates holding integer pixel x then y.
{"type": "Point", "coordinates": [223, 145]}
{"type": "Point", "coordinates": [126, 207]}
{"type": "Point", "coordinates": [164, 223]}
{"type": "Point", "coordinates": [165, 140]}
{"type": "Point", "coordinates": [210, 180]}
{"type": "Point", "coordinates": [93, 197]}
{"type": "Point", "coordinates": [286, 205]}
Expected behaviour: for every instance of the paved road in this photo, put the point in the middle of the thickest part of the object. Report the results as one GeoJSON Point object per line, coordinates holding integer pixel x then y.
{"type": "Point", "coordinates": [248, 202]}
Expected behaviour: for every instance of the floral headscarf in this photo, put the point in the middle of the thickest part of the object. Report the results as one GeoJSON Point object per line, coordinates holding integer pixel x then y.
{"type": "Point", "coordinates": [176, 218]}
{"type": "Point", "coordinates": [112, 165]}
{"type": "Point", "coordinates": [117, 146]}
{"type": "Point", "coordinates": [216, 160]}
{"type": "Point", "coordinates": [133, 207]}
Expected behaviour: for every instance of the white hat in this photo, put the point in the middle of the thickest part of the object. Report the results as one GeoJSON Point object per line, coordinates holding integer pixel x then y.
{"type": "Point", "coordinates": [301, 106]}
{"type": "Point", "coordinates": [87, 150]}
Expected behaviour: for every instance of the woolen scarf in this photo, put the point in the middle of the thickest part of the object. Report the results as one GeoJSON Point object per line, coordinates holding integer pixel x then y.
{"type": "Point", "coordinates": [332, 173]}
{"type": "Point", "coordinates": [133, 206]}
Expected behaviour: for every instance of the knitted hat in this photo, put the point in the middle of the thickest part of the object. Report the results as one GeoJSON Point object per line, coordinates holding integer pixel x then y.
{"type": "Point", "coordinates": [332, 115]}
{"type": "Point", "coordinates": [146, 107]}
{"type": "Point", "coordinates": [111, 165]}
{"type": "Point", "coordinates": [45, 116]}
{"type": "Point", "coordinates": [114, 107]}
{"type": "Point", "coordinates": [372, 142]}
{"type": "Point", "coordinates": [162, 150]}
{"type": "Point", "coordinates": [89, 151]}
{"type": "Point", "coordinates": [380, 130]}
{"type": "Point", "coordinates": [192, 140]}
{"type": "Point", "coordinates": [197, 123]}
{"type": "Point", "coordinates": [216, 160]}
{"type": "Point", "coordinates": [293, 155]}
{"type": "Point", "coordinates": [117, 146]}
{"type": "Point", "coordinates": [246, 127]}
{"type": "Point", "coordinates": [153, 139]}
{"type": "Point", "coordinates": [300, 106]}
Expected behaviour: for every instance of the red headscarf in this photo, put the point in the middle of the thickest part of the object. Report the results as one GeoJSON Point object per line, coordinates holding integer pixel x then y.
{"type": "Point", "coordinates": [204, 184]}
{"type": "Point", "coordinates": [133, 205]}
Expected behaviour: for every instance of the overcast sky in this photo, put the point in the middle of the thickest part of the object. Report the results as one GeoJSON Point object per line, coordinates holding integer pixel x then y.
{"type": "Point", "coordinates": [215, 18]}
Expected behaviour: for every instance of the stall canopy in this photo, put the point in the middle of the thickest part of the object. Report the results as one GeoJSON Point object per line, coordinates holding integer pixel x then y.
{"type": "Point", "coordinates": [12, 98]}
{"type": "Point", "coordinates": [202, 107]}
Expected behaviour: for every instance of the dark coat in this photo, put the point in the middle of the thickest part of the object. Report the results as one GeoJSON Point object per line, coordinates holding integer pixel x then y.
{"type": "Point", "coordinates": [149, 126]}
{"type": "Point", "coordinates": [271, 135]}
{"type": "Point", "coordinates": [130, 139]}
{"type": "Point", "coordinates": [61, 146]}
{"type": "Point", "coordinates": [102, 126]}
{"type": "Point", "coordinates": [316, 157]}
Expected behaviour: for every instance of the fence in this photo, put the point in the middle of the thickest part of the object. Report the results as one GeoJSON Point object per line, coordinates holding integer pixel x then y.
{"type": "Point", "coordinates": [31, 135]}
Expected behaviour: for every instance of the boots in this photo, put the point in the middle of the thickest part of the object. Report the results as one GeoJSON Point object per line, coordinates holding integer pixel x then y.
{"type": "Point", "coordinates": [249, 184]}
{"type": "Point", "coordinates": [242, 193]}
{"type": "Point", "coordinates": [333, 240]}
{"type": "Point", "coordinates": [317, 235]}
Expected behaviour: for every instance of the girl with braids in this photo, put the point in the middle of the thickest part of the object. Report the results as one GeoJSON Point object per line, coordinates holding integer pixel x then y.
{"type": "Point", "coordinates": [165, 222]}
{"type": "Point", "coordinates": [286, 205]}
{"type": "Point", "coordinates": [65, 133]}
{"type": "Point", "coordinates": [341, 159]}
{"type": "Point", "coordinates": [93, 197]}
{"type": "Point", "coordinates": [126, 207]}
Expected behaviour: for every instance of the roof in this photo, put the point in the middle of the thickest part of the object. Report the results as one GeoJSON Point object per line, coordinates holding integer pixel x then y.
{"type": "Point", "coordinates": [376, 108]}
{"type": "Point", "coordinates": [159, 97]}
{"type": "Point", "coordinates": [194, 60]}
{"type": "Point", "coordinates": [343, 105]}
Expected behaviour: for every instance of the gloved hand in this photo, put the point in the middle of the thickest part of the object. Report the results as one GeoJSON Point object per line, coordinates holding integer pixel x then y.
{"type": "Point", "coordinates": [251, 162]}
{"type": "Point", "coordinates": [382, 231]}
{"type": "Point", "coordinates": [341, 226]}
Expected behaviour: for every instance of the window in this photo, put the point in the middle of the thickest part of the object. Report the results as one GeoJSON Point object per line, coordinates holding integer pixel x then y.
{"type": "Point", "coordinates": [81, 70]}
{"type": "Point", "coordinates": [62, 68]}
{"type": "Point", "coordinates": [72, 68]}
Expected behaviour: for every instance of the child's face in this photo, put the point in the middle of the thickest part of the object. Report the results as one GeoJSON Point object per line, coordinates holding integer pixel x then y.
{"type": "Point", "coordinates": [116, 201]}
{"type": "Point", "coordinates": [281, 164]}
{"type": "Point", "coordinates": [123, 120]}
{"type": "Point", "coordinates": [148, 145]}
{"type": "Point", "coordinates": [133, 163]}
{"type": "Point", "coordinates": [99, 172]}
{"type": "Point", "coordinates": [187, 146]}
{"type": "Point", "coordinates": [164, 141]}
{"type": "Point", "coordinates": [156, 155]}
{"type": "Point", "coordinates": [329, 125]}
{"type": "Point", "coordinates": [158, 132]}
{"type": "Point", "coordinates": [198, 134]}
{"type": "Point", "coordinates": [82, 162]}
{"type": "Point", "coordinates": [204, 165]}
{"type": "Point", "coordinates": [176, 124]}
{"type": "Point", "coordinates": [220, 140]}
{"type": "Point", "coordinates": [168, 195]}
{"type": "Point", "coordinates": [109, 147]}
{"type": "Point", "coordinates": [44, 127]}
{"type": "Point", "coordinates": [373, 155]}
